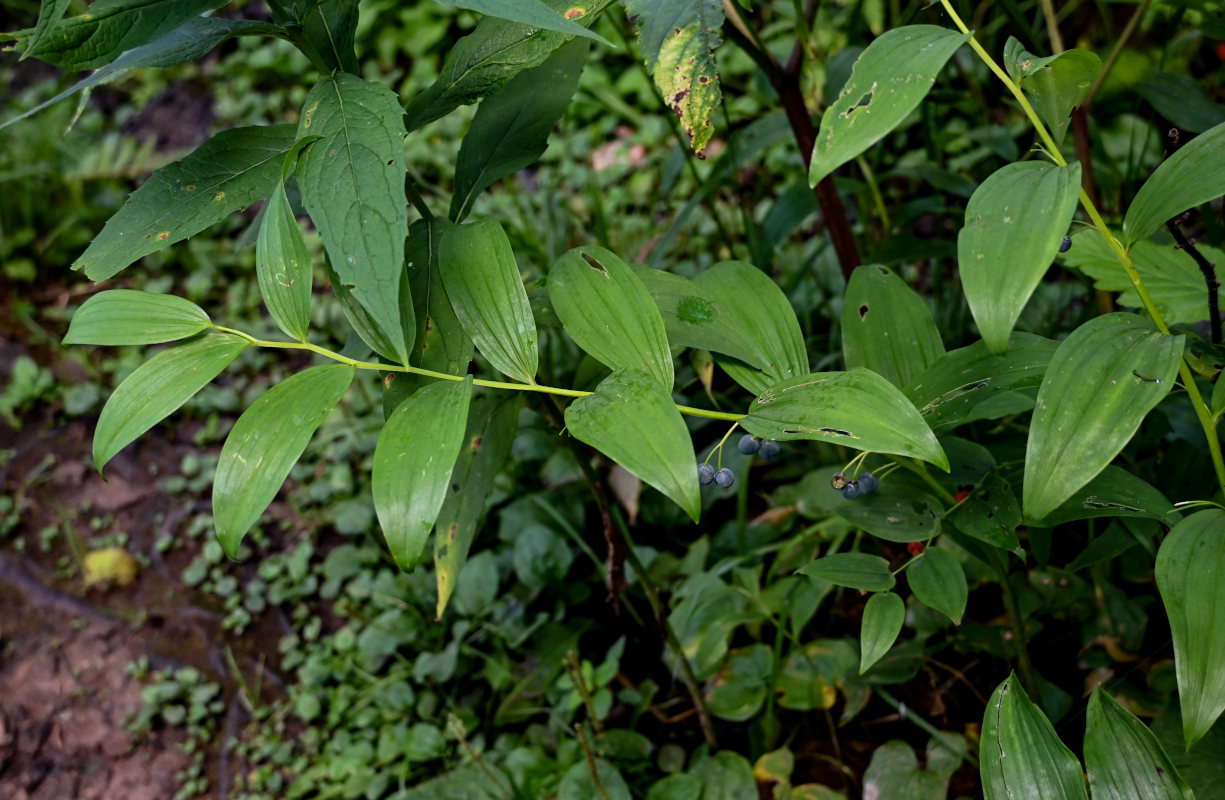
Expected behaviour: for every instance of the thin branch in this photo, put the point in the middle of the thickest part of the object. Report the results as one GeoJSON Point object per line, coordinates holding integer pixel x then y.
{"type": "Point", "coordinates": [1210, 278]}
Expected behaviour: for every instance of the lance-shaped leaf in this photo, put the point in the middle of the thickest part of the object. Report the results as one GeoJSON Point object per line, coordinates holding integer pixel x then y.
{"type": "Point", "coordinates": [511, 128]}
{"type": "Point", "coordinates": [492, 423]}
{"type": "Point", "coordinates": [889, 80]}
{"type": "Point", "coordinates": [413, 460]}
{"type": "Point", "coordinates": [227, 173]}
{"type": "Point", "coordinates": [1014, 224]}
{"type": "Point", "coordinates": [856, 570]}
{"type": "Point", "coordinates": [1056, 84]}
{"type": "Point", "coordinates": [352, 184]}
{"type": "Point", "coordinates": [883, 616]}
{"type": "Point", "coordinates": [939, 582]}
{"type": "Point", "coordinates": [282, 262]}
{"type": "Point", "coordinates": [609, 313]}
{"type": "Point", "coordinates": [127, 316]}
{"type": "Point", "coordinates": [265, 443]}
{"type": "Point", "coordinates": [496, 51]}
{"type": "Point", "coordinates": [631, 419]}
{"type": "Point", "coordinates": [1102, 381]}
{"type": "Point", "coordinates": [857, 409]}
{"type": "Point", "coordinates": [97, 38]}
{"type": "Point", "coordinates": [482, 279]}
{"type": "Point", "coordinates": [1021, 756]}
{"type": "Point", "coordinates": [1193, 175]}
{"type": "Point", "coordinates": [50, 13]}
{"type": "Point", "coordinates": [887, 327]}
{"type": "Point", "coordinates": [533, 13]}
{"type": "Point", "coordinates": [1123, 757]}
{"type": "Point", "coordinates": [324, 30]}
{"type": "Point", "coordinates": [158, 387]}
{"type": "Point", "coordinates": [1182, 100]}
{"type": "Point", "coordinates": [1115, 492]}
{"type": "Point", "coordinates": [1190, 564]}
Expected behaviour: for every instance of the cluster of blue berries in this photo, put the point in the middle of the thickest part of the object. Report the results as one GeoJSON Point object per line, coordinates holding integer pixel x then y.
{"type": "Point", "coordinates": [707, 475]}
{"type": "Point", "coordinates": [748, 445]}
{"type": "Point", "coordinates": [864, 484]}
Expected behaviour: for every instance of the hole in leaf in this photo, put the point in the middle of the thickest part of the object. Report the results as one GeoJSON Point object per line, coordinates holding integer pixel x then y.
{"type": "Point", "coordinates": [864, 102]}
{"type": "Point", "coordinates": [863, 311]}
{"type": "Point", "coordinates": [591, 262]}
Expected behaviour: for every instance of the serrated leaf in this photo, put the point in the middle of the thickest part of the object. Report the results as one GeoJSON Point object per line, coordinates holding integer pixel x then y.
{"type": "Point", "coordinates": [412, 467]}
{"type": "Point", "coordinates": [482, 280]}
{"type": "Point", "coordinates": [608, 312]}
{"type": "Point", "coordinates": [889, 80]}
{"type": "Point", "coordinates": [631, 419]}
{"type": "Point", "coordinates": [1190, 563]}
{"type": "Point", "coordinates": [1102, 381]}
{"type": "Point", "coordinates": [283, 267]}
{"type": "Point", "coordinates": [887, 327]}
{"type": "Point", "coordinates": [1194, 174]}
{"type": "Point", "coordinates": [127, 316]}
{"type": "Point", "coordinates": [855, 570]}
{"type": "Point", "coordinates": [265, 443]}
{"type": "Point", "coordinates": [883, 616]}
{"type": "Point", "coordinates": [1055, 84]}
{"type": "Point", "coordinates": [857, 409]}
{"type": "Point", "coordinates": [325, 30]}
{"type": "Point", "coordinates": [158, 387]}
{"type": "Point", "coordinates": [50, 13]}
{"type": "Point", "coordinates": [492, 423]}
{"type": "Point", "coordinates": [1014, 225]}
{"type": "Point", "coordinates": [352, 183]}
{"type": "Point", "coordinates": [1123, 757]}
{"type": "Point", "coordinates": [1021, 757]}
{"type": "Point", "coordinates": [511, 128]}
{"type": "Point", "coordinates": [533, 13]}
{"type": "Point", "coordinates": [939, 582]}
{"type": "Point", "coordinates": [227, 173]}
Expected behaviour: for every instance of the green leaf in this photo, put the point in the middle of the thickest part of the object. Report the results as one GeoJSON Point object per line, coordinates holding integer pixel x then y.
{"type": "Point", "coordinates": [283, 267]}
{"type": "Point", "coordinates": [1115, 492]}
{"type": "Point", "coordinates": [1190, 564]}
{"type": "Point", "coordinates": [50, 13]}
{"type": "Point", "coordinates": [264, 444]}
{"type": "Point", "coordinates": [751, 301]}
{"type": "Point", "coordinates": [692, 319]}
{"type": "Point", "coordinates": [889, 80]}
{"type": "Point", "coordinates": [352, 184]}
{"type": "Point", "coordinates": [1193, 175]}
{"type": "Point", "coordinates": [898, 512]}
{"type": "Point", "coordinates": [1170, 275]}
{"type": "Point", "coordinates": [857, 409]}
{"type": "Point", "coordinates": [894, 771]}
{"type": "Point", "coordinates": [1021, 757]}
{"type": "Point", "coordinates": [887, 327]}
{"type": "Point", "coordinates": [511, 128]}
{"type": "Point", "coordinates": [990, 514]}
{"type": "Point", "coordinates": [492, 423]}
{"type": "Point", "coordinates": [856, 570]}
{"type": "Point", "coordinates": [1055, 84]}
{"type": "Point", "coordinates": [484, 60]}
{"type": "Point", "coordinates": [725, 776]}
{"type": "Point", "coordinates": [158, 387]}
{"type": "Point", "coordinates": [632, 420]}
{"type": "Point", "coordinates": [110, 27]}
{"type": "Point", "coordinates": [883, 616]}
{"type": "Point", "coordinates": [1181, 100]}
{"type": "Point", "coordinates": [1102, 381]}
{"type": "Point", "coordinates": [577, 783]}
{"type": "Point", "coordinates": [1014, 224]}
{"type": "Point", "coordinates": [939, 582]}
{"type": "Point", "coordinates": [609, 313]}
{"type": "Point", "coordinates": [530, 12]}
{"type": "Point", "coordinates": [324, 30]}
{"type": "Point", "coordinates": [1123, 757]}
{"type": "Point", "coordinates": [413, 460]}
{"type": "Point", "coordinates": [126, 316]}
{"type": "Point", "coordinates": [227, 173]}
{"type": "Point", "coordinates": [679, 39]}
{"type": "Point", "coordinates": [739, 688]}
{"type": "Point", "coordinates": [482, 279]}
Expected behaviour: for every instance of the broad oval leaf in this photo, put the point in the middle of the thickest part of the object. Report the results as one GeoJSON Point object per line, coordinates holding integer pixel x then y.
{"type": "Point", "coordinates": [413, 461]}
{"type": "Point", "coordinates": [857, 409]}
{"type": "Point", "coordinates": [127, 316]}
{"type": "Point", "coordinates": [883, 616]}
{"type": "Point", "coordinates": [609, 313]}
{"type": "Point", "coordinates": [1194, 174]}
{"type": "Point", "coordinates": [889, 80]}
{"type": "Point", "coordinates": [1123, 757]}
{"type": "Point", "coordinates": [738, 689]}
{"type": "Point", "coordinates": [227, 173]}
{"type": "Point", "coordinates": [352, 183]}
{"type": "Point", "coordinates": [1189, 567]}
{"type": "Point", "coordinates": [856, 570]}
{"type": "Point", "coordinates": [939, 582]}
{"type": "Point", "coordinates": [631, 419]}
{"type": "Point", "coordinates": [1021, 757]}
{"type": "Point", "coordinates": [887, 327]}
{"type": "Point", "coordinates": [283, 267]}
{"type": "Point", "coordinates": [1056, 84]}
{"type": "Point", "coordinates": [482, 280]}
{"type": "Point", "coordinates": [1102, 381]}
{"type": "Point", "coordinates": [265, 443]}
{"type": "Point", "coordinates": [1014, 224]}
{"type": "Point", "coordinates": [158, 387]}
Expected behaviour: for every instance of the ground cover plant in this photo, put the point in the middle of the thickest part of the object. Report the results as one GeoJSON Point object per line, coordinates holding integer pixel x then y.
{"type": "Point", "coordinates": [825, 233]}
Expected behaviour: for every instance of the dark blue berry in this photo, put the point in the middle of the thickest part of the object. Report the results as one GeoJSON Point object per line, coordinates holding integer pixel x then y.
{"type": "Point", "coordinates": [706, 474]}
{"type": "Point", "coordinates": [724, 478]}
{"type": "Point", "coordinates": [868, 483]}
{"type": "Point", "coordinates": [769, 450]}
{"type": "Point", "coordinates": [748, 444]}
{"type": "Point", "coordinates": [851, 490]}
{"type": "Point", "coordinates": [1066, 244]}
